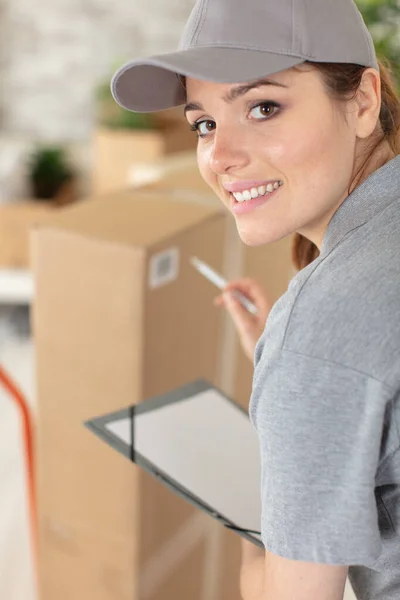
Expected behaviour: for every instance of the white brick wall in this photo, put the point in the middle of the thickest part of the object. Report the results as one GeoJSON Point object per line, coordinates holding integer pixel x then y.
{"type": "Point", "coordinates": [56, 51]}
{"type": "Point", "coordinates": [52, 55]}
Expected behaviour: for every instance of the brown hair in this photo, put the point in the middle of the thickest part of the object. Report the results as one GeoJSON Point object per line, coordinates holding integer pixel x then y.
{"type": "Point", "coordinates": [342, 82]}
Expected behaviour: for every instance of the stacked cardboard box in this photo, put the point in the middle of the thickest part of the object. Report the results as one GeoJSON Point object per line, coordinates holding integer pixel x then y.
{"type": "Point", "coordinates": [117, 151]}
{"type": "Point", "coordinates": [16, 220]}
{"type": "Point", "coordinates": [119, 316]}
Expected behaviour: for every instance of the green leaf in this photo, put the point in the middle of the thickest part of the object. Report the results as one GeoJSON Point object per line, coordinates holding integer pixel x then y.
{"type": "Point", "coordinates": [382, 17]}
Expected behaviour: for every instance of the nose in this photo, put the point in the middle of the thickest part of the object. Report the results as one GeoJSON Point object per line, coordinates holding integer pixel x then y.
{"type": "Point", "coordinates": [227, 152]}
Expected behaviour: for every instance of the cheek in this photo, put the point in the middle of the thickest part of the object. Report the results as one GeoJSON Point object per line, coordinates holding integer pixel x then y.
{"type": "Point", "coordinates": [312, 149]}
{"type": "Point", "coordinates": [203, 161]}
{"type": "Point", "coordinates": [300, 142]}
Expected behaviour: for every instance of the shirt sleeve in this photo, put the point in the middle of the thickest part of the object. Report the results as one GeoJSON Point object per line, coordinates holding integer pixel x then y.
{"type": "Point", "coordinates": [319, 426]}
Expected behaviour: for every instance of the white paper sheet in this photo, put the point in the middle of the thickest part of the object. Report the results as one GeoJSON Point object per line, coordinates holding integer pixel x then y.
{"type": "Point", "coordinates": [206, 445]}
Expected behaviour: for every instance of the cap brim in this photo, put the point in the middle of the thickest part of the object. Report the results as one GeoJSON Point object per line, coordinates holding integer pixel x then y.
{"type": "Point", "coordinates": [149, 85]}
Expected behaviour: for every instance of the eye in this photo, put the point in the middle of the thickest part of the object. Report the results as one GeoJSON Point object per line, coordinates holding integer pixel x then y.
{"type": "Point", "coordinates": [264, 110]}
{"type": "Point", "coordinates": [203, 128]}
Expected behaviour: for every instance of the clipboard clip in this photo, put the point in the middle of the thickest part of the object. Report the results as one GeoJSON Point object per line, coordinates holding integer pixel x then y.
{"type": "Point", "coordinates": [234, 528]}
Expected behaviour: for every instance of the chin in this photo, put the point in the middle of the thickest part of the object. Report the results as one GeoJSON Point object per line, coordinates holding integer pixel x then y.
{"type": "Point", "coordinates": [255, 238]}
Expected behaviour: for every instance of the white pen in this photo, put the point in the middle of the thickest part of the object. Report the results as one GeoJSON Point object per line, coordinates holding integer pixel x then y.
{"type": "Point", "coordinates": [221, 283]}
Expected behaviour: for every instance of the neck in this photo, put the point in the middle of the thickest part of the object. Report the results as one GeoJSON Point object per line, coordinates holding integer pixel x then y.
{"type": "Point", "coordinates": [368, 162]}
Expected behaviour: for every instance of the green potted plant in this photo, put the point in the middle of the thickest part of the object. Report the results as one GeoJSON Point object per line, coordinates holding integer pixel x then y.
{"type": "Point", "coordinates": [50, 176]}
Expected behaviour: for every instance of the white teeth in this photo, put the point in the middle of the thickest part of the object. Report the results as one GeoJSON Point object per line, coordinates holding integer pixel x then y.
{"type": "Point", "coordinates": [253, 193]}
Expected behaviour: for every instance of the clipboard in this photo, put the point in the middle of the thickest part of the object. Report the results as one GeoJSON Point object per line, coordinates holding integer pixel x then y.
{"type": "Point", "coordinates": [201, 445]}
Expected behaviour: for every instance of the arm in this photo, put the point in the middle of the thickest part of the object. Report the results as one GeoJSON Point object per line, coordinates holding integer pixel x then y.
{"type": "Point", "coordinates": [319, 425]}
{"type": "Point", "coordinates": [265, 576]}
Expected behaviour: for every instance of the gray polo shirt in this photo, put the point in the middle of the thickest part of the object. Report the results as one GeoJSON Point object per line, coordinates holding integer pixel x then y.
{"type": "Point", "coordinates": [326, 398]}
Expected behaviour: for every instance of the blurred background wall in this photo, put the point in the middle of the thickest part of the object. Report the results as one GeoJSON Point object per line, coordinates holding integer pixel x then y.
{"type": "Point", "coordinates": [53, 54]}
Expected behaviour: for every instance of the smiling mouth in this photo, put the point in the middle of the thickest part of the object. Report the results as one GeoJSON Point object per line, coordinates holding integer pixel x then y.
{"type": "Point", "coordinates": [248, 200]}
{"type": "Point", "coordinates": [256, 192]}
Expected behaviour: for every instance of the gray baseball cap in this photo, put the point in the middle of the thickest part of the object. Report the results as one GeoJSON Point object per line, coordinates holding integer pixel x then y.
{"type": "Point", "coordinates": [233, 41]}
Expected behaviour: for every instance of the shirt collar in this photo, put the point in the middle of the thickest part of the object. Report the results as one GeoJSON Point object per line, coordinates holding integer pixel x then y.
{"type": "Point", "coordinates": [379, 190]}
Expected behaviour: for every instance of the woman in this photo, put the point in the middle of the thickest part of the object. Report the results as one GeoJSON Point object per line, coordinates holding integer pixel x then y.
{"type": "Point", "coordinates": [298, 131]}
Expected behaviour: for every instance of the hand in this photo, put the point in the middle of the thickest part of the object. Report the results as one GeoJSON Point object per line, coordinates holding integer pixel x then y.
{"type": "Point", "coordinates": [248, 326]}
{"type": "Point", "coordinates": [252, 571]}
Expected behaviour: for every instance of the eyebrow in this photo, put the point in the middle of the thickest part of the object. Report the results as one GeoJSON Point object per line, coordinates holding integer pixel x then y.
{"type": "Point", "coordinates": [237, 92]}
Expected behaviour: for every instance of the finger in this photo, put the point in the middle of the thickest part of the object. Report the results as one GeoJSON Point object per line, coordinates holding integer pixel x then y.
{"type": "Point", "coordinates": [242, 319]}
{"type": "Point", "coordinates": [218, 301]}
{"type": "Point", "coordinates": [247, 286]}
{"type": "Point", "coordinates": [252, 290]}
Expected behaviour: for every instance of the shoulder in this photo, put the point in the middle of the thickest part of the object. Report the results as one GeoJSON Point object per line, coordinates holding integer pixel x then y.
{"type": "Point", "coordinates": [345, 307]}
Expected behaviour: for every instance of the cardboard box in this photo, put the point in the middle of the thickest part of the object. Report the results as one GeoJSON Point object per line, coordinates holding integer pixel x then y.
{"type": "Point", "coordinates": [16, 220]}
{"type": "Point", "coordinates": [119, 316]}
{"type": "Point", "coordinates": [117, 152]}
{"type": "Point", "coordinates": [175, 173]}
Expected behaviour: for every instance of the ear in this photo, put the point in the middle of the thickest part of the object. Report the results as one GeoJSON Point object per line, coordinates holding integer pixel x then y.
{"type": "Point", "coordinates": [368, 101]}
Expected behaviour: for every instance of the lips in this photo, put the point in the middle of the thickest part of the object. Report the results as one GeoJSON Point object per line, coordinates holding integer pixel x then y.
{"type": "Point", "coordinates": [247, 206]}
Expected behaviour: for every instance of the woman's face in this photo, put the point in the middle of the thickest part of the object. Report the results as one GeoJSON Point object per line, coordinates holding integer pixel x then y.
{"type": "Point", "coordinates": [286, 135]}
